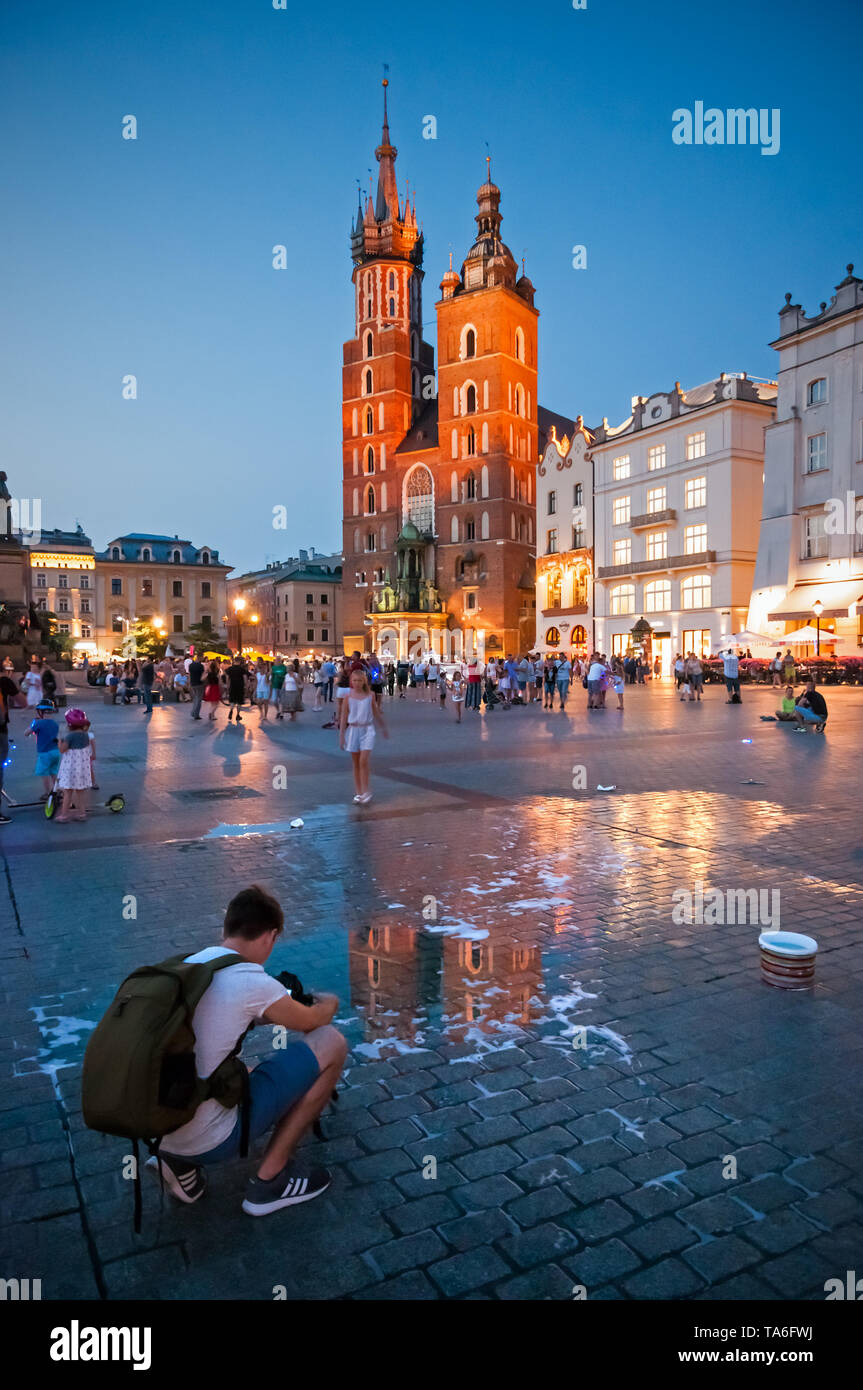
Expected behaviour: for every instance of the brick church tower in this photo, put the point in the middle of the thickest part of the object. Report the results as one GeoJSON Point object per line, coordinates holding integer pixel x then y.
{"type": "Point", "coordinates": [439, 499]}
{"type": "Point", "coordinates": [384, 364]}
{"type": "Point", "coordinates": [487, 431]}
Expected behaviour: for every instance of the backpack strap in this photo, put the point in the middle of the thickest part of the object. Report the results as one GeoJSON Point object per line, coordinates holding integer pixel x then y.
{"type": "Point", "coordinates": [137, 1219]}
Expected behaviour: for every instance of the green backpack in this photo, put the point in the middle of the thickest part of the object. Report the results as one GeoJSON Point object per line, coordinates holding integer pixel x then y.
{"type": "Point", "coordinates": [140, 1080]}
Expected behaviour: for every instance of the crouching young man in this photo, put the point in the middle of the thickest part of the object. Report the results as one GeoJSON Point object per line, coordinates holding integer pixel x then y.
{"type": "Point", "coordinates": [287, 1091]}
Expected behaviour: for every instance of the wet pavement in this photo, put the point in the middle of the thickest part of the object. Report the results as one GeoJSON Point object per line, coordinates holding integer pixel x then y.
{"type": "Point", "coordinates": [555, 1083]}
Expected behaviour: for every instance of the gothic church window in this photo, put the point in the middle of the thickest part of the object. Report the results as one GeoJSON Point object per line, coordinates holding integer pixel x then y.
{"type": "Point", "coordinates": [419, 499]}
{"type": "Point", "coordinates": [370, 347]}
{"type": "Point", "coordinates": [471, 442]}
{"type": "Point", "coordinates": [369, 384]}
{"type": "Point", "coordinates": [370, 460]}
{"type": "Point", "coordinates": [470, 400]}
{"type": "Point", "coordinates": [370, 420]}
{"type": "Point", "coordinates": [470, 486]}
{"type": "Point", "coordinates": [370, 502]}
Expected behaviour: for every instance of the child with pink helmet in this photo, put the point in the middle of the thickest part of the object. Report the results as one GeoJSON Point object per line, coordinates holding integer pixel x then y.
{"type": "Point", "coordinates": [75, 777]}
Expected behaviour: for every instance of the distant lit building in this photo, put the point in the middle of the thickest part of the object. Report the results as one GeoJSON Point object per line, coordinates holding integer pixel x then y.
{"type": "Point", "coordinates": [63, 582]}
{"type": "Point", "coordinates": [564, 545]}
{"type": "Point", "coordinates": [291, 606]}
{"type": "Point", "coordinates": [147, 577]}
{"type": "Point", "coordinates": [677, 504]}
{"type": "Point", "coordinates": [811, 546]}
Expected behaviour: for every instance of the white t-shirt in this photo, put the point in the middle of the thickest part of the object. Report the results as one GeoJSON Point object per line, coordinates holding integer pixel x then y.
{"type": "Point", "coordinates": [731, 666]}
{"type": "Point", "coordinates": [238, 995]}
{"type": "Point", "coordinates": [596, 672]}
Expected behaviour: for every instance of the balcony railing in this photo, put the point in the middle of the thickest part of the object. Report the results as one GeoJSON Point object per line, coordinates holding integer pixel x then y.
{"type": "Point", "coordinates": [639, 523]}
{"type": "Point", "coordinates": [576, 608]}
{"type": "Point", "coordinates": [672, 562]}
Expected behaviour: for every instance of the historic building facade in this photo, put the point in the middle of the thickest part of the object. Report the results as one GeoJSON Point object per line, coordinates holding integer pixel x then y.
{"type": "Point", "coordinates": [438, 475]}
{"type": "Point", "coordinates": [564, 545]}
{"type": "Point", "coordinates": [292, 607]}
{"type": "Point", "coordinates": [677, 504]}
{"type": "Point", "coordinates": [63, 582]}
{"type": "Point", "coordinates": [811, 545]}
{"type": "Point", "coordinates": [150, 577]}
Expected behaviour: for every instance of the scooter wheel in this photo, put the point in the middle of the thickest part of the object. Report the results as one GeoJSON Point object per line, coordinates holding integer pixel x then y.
{"type": "Point", "coordinates": [116, 803]}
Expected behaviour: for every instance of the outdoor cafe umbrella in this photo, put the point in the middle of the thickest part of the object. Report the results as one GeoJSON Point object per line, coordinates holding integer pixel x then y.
{"type": "Point", "coordinates": [805, 635]}
{"type": "Point", "coordinates": [744, 639]}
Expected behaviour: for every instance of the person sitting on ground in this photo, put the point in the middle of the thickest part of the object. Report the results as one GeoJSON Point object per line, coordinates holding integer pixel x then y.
{"type": "Point", "coordinates": [811, 710]}
{"type": "Point", "coordinates": [788, 706]}
{"type": "Point", "coordinates": [287, 1091]}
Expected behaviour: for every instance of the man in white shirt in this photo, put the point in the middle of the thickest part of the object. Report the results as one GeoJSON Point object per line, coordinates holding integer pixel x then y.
{"type": "Point", "coordinates": [731, 667]}
{"type": "Point", "coordinates": [287, 1091]}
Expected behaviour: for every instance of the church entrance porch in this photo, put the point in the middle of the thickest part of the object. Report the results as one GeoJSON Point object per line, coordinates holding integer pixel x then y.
{"type": "Point", "coordinates": [404, 636]}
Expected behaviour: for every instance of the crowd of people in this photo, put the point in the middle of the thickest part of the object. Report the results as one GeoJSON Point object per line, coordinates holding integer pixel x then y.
{"type": "Point", "coordinates": [351, 692]}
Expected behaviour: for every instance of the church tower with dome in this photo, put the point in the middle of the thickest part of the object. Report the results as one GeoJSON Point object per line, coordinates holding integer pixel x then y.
{"type": "Point", "coordinates": [439, 473]}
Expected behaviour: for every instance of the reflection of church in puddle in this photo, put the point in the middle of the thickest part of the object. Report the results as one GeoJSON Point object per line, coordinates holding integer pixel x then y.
{"type": "Point", "coordinates": [399, 973]}
{"type": "Point", "coordinates": [439, 504]}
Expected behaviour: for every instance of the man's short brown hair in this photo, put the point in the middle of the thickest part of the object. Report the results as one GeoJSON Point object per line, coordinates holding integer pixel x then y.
{"type": "Point", "coordinates": [251, 913]}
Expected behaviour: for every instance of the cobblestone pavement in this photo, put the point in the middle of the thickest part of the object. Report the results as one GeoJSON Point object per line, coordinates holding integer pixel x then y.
{"type": "Point", "coordinates": [521, 1005]}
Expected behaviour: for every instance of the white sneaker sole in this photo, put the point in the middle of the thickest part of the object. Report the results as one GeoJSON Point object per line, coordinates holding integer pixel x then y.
{"type": "Point", "coordinates": [266, 1208]}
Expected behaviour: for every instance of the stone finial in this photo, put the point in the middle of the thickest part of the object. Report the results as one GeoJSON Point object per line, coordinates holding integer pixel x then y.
{"type": "Point", "coordinates": [788, 298]}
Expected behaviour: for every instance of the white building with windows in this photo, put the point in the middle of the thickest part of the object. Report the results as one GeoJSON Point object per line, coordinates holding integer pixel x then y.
{"type": "Point", "coordinates": [677, 501]}
{"type": "Point", "coordinates": [811, 546]}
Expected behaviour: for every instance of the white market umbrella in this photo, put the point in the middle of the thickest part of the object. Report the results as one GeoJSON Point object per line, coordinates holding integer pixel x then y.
{"type": "Point", "coordinates": [805, 635]}
{"type": "Point", "coordinates": [745, 639]}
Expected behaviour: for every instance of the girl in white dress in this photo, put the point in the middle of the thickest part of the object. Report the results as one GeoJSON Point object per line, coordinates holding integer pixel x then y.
{"type": "Point", "coordinates": [457, 692]}
{"type": "Point", "coordinates": [75, 777]}
{"type": "Point", "coordinates": [358, 715]}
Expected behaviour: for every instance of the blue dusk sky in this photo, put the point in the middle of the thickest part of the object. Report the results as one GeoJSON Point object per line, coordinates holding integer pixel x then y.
{"type": "Point", "coordinates": [153, 257]}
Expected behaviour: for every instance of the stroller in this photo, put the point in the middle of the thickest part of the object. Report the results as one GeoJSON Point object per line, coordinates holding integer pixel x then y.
{"type": "Point", "coordinates": [491, 699]}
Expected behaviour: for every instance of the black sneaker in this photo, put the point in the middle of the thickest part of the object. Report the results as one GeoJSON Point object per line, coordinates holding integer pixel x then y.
{"type": "Point", "coordinates": [5, 820]}
{"type": "Point", "coordinates": [286, 1189]}
{"type": "Point", "coordinates": [183, 1180]}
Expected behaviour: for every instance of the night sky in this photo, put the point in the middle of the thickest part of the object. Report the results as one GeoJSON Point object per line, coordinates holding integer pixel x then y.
{"type": "Point", "coordinates": [154, 257]}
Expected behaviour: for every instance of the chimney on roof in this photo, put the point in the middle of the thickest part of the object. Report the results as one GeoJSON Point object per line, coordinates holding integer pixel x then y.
{"type": "Point", "coordinates": [304, 556]}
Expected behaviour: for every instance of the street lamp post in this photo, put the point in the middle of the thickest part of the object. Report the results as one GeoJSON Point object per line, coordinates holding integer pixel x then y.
{"type": "Point", "coordinates": [239, 605]}
{"type": "Point", "coordinates": [818, 609]}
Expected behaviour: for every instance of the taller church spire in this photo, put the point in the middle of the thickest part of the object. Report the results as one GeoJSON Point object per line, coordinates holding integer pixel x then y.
{"type": "Point", "coordinates": [386, 230]}
{"type": "Point", "coordinates": [386, 152]}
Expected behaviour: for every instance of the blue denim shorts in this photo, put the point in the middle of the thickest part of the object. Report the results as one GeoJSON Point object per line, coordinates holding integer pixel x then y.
{"type": "Point", "coordinates": [809, 714]}
{"type": "Point", "coordinates": [275, 1086]}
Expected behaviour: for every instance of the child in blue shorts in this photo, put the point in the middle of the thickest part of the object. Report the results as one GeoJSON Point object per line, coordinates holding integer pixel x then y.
{"type": "Point", "coordinates": [45, 731]}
